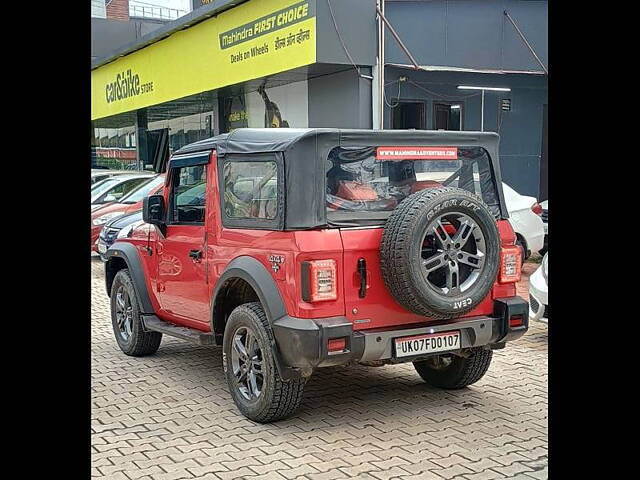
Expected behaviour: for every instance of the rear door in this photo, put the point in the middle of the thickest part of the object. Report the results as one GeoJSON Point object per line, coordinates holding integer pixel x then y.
{"type": "Point", "coordinates": [182, 275]}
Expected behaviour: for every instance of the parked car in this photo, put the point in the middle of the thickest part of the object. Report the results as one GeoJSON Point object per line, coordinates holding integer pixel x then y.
{"type": "Point", "coordinates": [545, 220]}
{"type": "Point", "coordinates": [119, 227]}
{"type": "Point", "coordinates": [538, 292]}
{"type": "Point", "coordinates": [123, 226]}
{"type": "Point", "coordinates": [98, 174]}
{"type": "Point", "coordinates": [114, 188]}
{"type": "Point", "coordinates": [525, 218]}
{"type": "Point", "coordinates": [288, 280]}
{"type": "Point", "coordinates": [129, 203]}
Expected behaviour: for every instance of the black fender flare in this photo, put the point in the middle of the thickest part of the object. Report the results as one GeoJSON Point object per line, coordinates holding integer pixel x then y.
{"type": "Point", "coordinates": [129, 253]}
{"type": "Point", "coordinates": [255, 274]}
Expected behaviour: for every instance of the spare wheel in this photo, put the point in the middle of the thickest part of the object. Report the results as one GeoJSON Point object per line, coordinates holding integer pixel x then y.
{"type": "Point", "coordinates": [440, 252]}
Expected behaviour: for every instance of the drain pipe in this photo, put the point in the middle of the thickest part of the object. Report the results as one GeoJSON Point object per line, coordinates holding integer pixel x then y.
{"type": "Point", "coordinates": [379, 9]}
{"type": "Point", "coordinates": [382, 22]}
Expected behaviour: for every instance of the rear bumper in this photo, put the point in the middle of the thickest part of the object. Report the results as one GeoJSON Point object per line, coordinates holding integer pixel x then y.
{"type": "Point", "coordinates": [302, 343]}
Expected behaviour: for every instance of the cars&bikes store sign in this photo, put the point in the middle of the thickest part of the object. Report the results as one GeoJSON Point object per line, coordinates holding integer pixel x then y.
{"type": "Point", "coordinates": [255, 39]}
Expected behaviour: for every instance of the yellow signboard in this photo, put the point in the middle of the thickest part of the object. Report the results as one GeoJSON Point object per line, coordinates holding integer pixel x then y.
{"type": "Point", "coordinates": [255, 39]}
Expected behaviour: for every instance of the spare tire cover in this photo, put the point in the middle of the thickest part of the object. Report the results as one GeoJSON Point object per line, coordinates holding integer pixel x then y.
{"type": "Point", "coordinates": [440, 252]}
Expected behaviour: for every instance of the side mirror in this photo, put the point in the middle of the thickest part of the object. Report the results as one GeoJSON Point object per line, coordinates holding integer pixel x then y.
{"type": "Point", "coordinates": [153, 210]}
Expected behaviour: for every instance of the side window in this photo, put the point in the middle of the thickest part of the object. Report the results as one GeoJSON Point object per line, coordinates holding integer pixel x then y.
{"type": "Point", "coordinates": [250, 190]}
{"type": "Point", "coordinates": [126, 187]}
{"type": "Point", "coordinates": [188, 195]}
{"type": "Point", "coordinates": [120, 190]}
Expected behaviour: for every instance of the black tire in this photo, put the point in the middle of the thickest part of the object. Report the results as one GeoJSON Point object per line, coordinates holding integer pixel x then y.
{"type": "Point", "coordinates": [277, 399]}
{"type": "Point", "coordinates": [459, 373]}
{"type": "Point", "coordinates": [545, 247]}
{"type": "Point", "coordinates": [133, 341]}
{"type": "Point", "coordinates": [522, 244]}
{"type": "Point", "coordinates": [401, 250]}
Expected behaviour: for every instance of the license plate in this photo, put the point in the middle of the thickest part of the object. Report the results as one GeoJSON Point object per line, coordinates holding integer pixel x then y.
{"type": "Point", "coordinates": [432, 343]}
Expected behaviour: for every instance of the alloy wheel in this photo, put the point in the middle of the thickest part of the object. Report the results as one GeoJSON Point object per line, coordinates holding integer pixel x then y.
{"type": "Point", "coordinates": [124, 313]}
{"type": "Point", "coordinates": [246, 363]}
{"type": "Point", "coordinates": [452, 260]}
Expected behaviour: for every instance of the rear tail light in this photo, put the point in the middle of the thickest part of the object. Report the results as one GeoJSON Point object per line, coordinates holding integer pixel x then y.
{"type": "Point", "coordinates": [510, 265]}
{"type": "Point", "coordinates": [337, 344]}
{"type": "Point", "coordinates": [319, 280]}
{"type": "Point", "coordinates": [516, 321]}
{"type": "Point", "coordinates": [536, 208]}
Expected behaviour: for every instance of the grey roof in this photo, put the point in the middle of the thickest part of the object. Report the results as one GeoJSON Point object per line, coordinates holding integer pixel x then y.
{"type": "Point", "coordinates": [304, 153]}
{"type": "Point", "coordinates": [244, 140]}
{"type": "Point", "coordinates": [196, 16]}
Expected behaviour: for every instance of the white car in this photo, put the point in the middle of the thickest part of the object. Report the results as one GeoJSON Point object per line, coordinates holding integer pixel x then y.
{"type": "Point", "coordinates": [99, 174]}
{"type": "Point", "coordinates": [538, 296]}
{"type": "Point", "coordinates": [545, 219]}
{"type": "Point", "coordinates": [525, 219]}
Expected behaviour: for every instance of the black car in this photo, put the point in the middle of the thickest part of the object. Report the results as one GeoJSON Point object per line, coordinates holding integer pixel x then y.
{"type": "Point", "coordinates": [115, 227]}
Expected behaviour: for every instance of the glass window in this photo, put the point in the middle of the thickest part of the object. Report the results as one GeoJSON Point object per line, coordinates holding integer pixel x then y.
{"type": "Point", "coordinates": [368, 183]}
{"type": "Point", "coordinates": [251, 190]}
{"type": "Point", "coordinates": [114, 148]}
{"type": "Point", "coordinates": [101, 189]}
{"type": "Point", "coordinates": [125, 187]}
{"type": "Point", "coordinates": [189, 194]}
{"type": "Point", "coordinates": [102, 185]}
{"type": "Point", "coordinates": [143, 190]}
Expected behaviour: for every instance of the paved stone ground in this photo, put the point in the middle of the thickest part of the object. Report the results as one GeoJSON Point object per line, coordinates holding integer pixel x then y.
{"type": "Point", "coordinates": [170, 416]}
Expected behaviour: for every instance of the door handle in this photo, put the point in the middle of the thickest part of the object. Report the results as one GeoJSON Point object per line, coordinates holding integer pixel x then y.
{"type": "Point", "coordinates": [362, 271]}
{"type": "Point", "coordinates": [196, 254]}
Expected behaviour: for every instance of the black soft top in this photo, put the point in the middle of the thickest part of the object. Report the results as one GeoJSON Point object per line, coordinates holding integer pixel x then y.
{"type": "Point", "coordinates": [304, 152]}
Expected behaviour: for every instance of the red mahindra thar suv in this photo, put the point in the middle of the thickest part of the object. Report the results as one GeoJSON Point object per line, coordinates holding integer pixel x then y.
{"type": "Point", "coordinates": [296, 249]}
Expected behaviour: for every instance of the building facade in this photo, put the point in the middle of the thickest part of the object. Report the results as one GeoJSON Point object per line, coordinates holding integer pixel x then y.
{"type": "Point", "coordinates": [315, 63]}
{"type": "Point", "coordinates": [498, 44]}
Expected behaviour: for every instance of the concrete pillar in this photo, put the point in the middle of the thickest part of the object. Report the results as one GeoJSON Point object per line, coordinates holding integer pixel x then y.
{"type": "Point", "coordinates": [142, 126]}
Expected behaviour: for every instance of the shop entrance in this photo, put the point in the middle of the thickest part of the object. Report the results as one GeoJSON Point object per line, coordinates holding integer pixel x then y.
{"type": "Point", "coordinates": [409, 115]}
{"type": "Point", "coordinates": [447, 115]}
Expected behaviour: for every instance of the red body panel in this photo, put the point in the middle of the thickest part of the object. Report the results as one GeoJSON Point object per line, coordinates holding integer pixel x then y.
{"type": "Point", "coordinates": [182, 281]}
{"type": "Point", "coordinates": [181, 289]}
{"type": "Point", "coordinates": [142, 237]}
{"type": "Point", "coordinates": [378, 308]}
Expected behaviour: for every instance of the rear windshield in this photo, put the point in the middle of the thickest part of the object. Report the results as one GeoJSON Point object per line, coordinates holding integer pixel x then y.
{"type": "Point", "coordinates": [365, 184]}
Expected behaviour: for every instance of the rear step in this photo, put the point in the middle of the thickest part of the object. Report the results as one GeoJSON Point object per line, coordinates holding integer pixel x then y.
{"type": "Point", "coordinates": [155, 324]}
